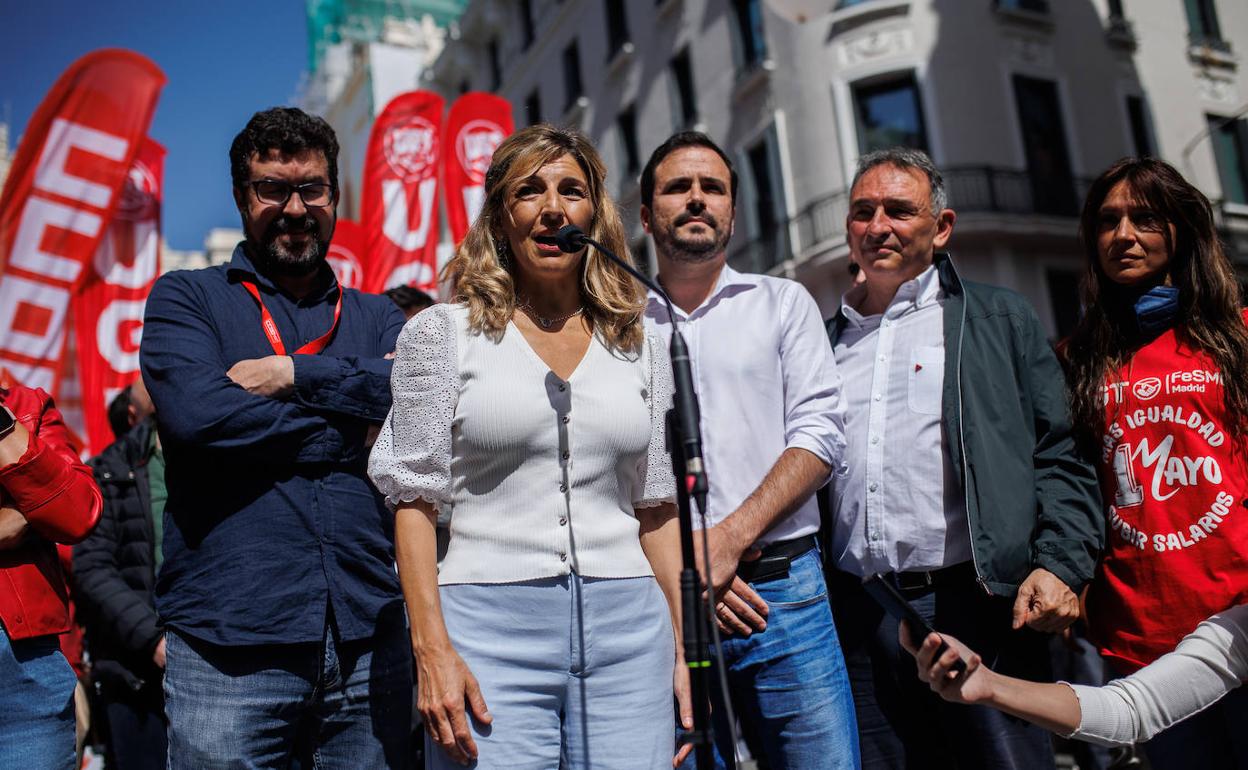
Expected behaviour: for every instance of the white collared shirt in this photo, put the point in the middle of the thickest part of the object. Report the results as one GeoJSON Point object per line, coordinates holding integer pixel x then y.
{"type": "Point", "coordinates": [766, 381]}
{"type": "Point", "coordinates": [900, 507]}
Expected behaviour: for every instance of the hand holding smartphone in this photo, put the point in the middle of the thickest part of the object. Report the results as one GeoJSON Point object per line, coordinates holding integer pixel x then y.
{"type": "Point", "coordinates": [896, 605]}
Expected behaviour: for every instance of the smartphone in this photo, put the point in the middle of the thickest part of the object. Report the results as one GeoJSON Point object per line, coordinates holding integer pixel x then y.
{"type": "Point", "coordinates": [896, 605]}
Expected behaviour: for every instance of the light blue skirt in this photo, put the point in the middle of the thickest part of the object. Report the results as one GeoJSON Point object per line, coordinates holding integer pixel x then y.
{"type": "Point", "coordinates": [576, 673]}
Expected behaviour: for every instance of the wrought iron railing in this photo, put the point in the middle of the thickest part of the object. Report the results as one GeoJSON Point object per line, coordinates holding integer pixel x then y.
{"type": "Point", "coordinates": [971, 189]}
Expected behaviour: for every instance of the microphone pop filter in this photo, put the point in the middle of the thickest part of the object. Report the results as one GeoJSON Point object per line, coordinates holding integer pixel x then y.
{"type": "Point", "coordinates": [570, 239]}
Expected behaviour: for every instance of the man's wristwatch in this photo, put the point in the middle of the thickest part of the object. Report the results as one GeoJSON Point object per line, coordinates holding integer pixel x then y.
{"type": "Point", "coordinates": [7, 422]}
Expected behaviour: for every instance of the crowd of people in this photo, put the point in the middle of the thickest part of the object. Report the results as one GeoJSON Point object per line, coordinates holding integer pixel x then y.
{"type": "Point", "coordinates": [333, 520]}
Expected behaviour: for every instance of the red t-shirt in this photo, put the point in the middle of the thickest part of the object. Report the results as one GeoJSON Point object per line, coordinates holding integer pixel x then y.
{"type": "Point", "coordinates": [1176, 485]}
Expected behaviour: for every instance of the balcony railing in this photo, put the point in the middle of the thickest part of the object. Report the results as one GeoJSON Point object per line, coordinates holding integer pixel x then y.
{"type": "Point", "coordinates": [971, 189]}
{"type": "Point", "coordinates": [761, 254]}
{"type": "Point", "coordinates": [989, 189]}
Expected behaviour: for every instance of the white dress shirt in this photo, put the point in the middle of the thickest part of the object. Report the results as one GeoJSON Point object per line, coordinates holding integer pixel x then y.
{"type": "Point", "coordinates": [900, 507]}
{"type": "Point", "coordinates": [541, 475]}
{"type": "Point", "coordinates": [766, 381]}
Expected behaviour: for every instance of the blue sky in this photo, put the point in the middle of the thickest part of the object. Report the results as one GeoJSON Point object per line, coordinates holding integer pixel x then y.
{"type": "Point", "coordinates": [224, 60]}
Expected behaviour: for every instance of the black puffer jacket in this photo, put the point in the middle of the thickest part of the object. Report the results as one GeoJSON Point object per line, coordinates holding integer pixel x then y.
{"type": "Point", "coordinates": [114, 568]}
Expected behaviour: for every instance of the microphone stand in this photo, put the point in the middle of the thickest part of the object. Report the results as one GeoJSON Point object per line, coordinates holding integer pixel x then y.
{"type": "Point", "coordinates": [684, 445]}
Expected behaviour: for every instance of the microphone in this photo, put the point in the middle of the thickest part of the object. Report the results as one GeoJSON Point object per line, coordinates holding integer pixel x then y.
{"type": "Point", "coordinates": [571, 239]}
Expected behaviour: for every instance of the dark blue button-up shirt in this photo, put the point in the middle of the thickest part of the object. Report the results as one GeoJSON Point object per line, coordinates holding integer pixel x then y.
{"type": "Point", "coordinates": [271, 517]}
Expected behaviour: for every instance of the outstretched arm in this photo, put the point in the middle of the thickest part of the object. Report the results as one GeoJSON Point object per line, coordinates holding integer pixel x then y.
{"type": "Point", "coordinates": [1052, 706]}
{"type": "Point", "coordinates": [1209, 662]}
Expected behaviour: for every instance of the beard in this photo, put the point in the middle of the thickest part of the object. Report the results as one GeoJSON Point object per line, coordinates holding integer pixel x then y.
{"type": "Point", "coordinates": [680, 248]}
{"type": "Point", "coordinates": [292, 259]}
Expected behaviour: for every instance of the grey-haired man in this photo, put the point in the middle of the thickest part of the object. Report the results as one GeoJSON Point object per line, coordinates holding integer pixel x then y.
{"type": "Point", "coordinates": [963, 486]}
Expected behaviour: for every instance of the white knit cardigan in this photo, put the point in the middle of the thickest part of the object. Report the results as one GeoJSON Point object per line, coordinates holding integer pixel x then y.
{"type": "Point", "coordinates": [539, 475]}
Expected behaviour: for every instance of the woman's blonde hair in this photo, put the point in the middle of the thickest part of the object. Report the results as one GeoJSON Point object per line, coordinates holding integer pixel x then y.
{"type": "Point", "coordinates": [480, 273]}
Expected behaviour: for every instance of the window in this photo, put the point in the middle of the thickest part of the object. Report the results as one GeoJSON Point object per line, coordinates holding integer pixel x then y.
{"type": "Point", "coordinates": [1049, 176]}
{"type": "Point", "coordinates": [1064, 299]}
{"type": "Point", "coordinates": [626, 125]}
{"type": "Point", "coordinates": [749, 14]}
{"type": "Point", "coordinates": [526, 22]}
{"type": "Point", "coordinates": [617, 27]}
{"type": "Point", "coordinates": [1140, 136]}
{"type": "Point", "coordinates": [640, 249]}
{"type": "Point", "coordinates": [889, 115]}
{"type": "Point", "coordinates": [572, 87]}
{"type": "Point", "coordinates": [847, 3]}
{"type": "Point", "coordinates": [496, 66]}
{"type": "Point", "coordinates": [1035, 6]}
{"type": "Point", "coordinates": [684, 100]}
{"type": "Point", "coordinates": [1202, 24]}
{"type": "Point", "coordinates": [533, 108]}
{"type": "Point", "coordinates": [1230, 150]}
{"type": "Point", "coordinates": [763, 207]}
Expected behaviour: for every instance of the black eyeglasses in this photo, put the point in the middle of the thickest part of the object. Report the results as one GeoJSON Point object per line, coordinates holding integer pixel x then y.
{"type": "Point", "coordinates": [275, 192]}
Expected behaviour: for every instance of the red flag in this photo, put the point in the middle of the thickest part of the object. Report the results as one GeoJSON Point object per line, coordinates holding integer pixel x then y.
{"type": "Point", "coordinates": [61, 192]}
{"type": "Point", "coordinates": [400, 206]}
{"type": "Point", "coordinates": [108, 308]}
{"type": "Point", "coordinates": [346, 253]}
{"type": "Point", "coordinates": [476, 125]}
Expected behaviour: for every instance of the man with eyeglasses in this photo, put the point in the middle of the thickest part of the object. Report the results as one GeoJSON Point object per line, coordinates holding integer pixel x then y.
{"type": "Point", "coordinates": [284, 635]}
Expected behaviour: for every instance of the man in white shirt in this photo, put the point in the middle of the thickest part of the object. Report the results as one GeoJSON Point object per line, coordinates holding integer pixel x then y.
{"type": "Point", "coordinates": [772, 433]}
{"type": "Point", "coordinates": [963, 487]}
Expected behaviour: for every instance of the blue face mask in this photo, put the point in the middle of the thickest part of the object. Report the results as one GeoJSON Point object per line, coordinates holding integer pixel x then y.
{"type": "Point", "coordinates": [1156, 309]}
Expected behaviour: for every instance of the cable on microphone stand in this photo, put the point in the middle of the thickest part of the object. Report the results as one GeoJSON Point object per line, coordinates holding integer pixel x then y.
{"type": "Point", "coordinates": [684, 443]}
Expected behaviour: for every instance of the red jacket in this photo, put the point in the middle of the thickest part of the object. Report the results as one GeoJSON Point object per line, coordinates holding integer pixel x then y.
{"type": "Point", "coordinates": [58, 496]}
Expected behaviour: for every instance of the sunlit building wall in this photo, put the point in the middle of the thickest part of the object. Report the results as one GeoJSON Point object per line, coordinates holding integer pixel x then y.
{"type": "Point", "coordinates": [1022, 102]}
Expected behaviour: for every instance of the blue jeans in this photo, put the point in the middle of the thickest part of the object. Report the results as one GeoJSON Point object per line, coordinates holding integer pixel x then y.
{"type": "Point", "coordinates": [330, 705]}
{"type": "Point", "coordinates": [789, 685]}
{"type": "Point", "coordinates": [901, 722]}
{"type": "Point", "coordinates": [36, 704]}
{"type": "Point", "coordinates": [576, 672]}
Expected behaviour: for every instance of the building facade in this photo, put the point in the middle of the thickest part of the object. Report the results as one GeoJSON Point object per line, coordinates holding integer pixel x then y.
{"type": "Point", "coordinates": [1021, 102]}
{"type": "Point", "coordinates": [363, 53]}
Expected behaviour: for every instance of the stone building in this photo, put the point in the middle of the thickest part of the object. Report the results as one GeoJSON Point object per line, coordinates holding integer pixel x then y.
{"type": "Point", "coordinates": [1020, 101]}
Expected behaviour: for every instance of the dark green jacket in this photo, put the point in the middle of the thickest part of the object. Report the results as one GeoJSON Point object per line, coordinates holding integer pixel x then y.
{"type": "Point", "coordinates": [1031, 500]}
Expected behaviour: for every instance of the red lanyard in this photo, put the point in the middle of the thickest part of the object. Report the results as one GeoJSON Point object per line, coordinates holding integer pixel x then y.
{"type": "Point", "coordinates": [270, 326]}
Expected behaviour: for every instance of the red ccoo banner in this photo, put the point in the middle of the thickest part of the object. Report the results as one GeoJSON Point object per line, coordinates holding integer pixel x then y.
{"type": "Point", "coordinates": [346, 253]}
{"type": "Point", "coordinates": [108, 308]}
{"type": "Point", "coordinates": [476, 125]}
{"type": "Point", "coordinates": [400, 206]}
{"type": "Point", "coordinates": [61, 192]}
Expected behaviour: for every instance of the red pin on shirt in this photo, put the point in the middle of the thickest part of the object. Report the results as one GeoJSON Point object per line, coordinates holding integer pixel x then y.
{"type": "Point", "coordinates": [918, 367]}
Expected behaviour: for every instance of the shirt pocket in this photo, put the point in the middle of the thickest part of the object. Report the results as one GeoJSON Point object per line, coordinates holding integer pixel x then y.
{"type": "Point", "coordinates": [927, 379]}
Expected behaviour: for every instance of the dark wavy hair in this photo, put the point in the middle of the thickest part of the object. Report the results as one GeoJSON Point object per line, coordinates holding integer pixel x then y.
{"type": "Point", "coordinates": [288, 130]}
{"type": "Point", "coordinates": [676, 142]}
{"type": "Point", "coordinates": [1209, 313]}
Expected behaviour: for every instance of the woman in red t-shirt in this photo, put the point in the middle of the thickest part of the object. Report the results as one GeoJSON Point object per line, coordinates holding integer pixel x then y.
{"type": "Point", "coordinates": [1158, 370]}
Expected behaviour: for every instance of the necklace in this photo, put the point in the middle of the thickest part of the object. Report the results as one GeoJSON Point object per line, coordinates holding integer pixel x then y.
{"type": "Point", "coordinates": [546, 323]}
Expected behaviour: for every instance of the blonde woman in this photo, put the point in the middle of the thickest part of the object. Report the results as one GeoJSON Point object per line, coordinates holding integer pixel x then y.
{"type": "Point", "coordinates": [531, 409]}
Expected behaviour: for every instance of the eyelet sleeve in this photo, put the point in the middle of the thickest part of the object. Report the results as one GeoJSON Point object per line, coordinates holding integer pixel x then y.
{"type": "Point", "coordinates": [412, 456]}
{"type": "Point", "coordinates": [657, 484]}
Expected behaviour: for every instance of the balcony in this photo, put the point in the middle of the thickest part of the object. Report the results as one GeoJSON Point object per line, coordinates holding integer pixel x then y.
{"type": "Point", "coordinates": [761, 254]}
{"type": "Point", "coordinates": [971, 189]}
{"type": "Point", "coordinates": [996, 190]}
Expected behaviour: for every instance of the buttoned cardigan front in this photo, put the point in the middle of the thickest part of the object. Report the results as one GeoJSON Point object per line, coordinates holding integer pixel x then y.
{"type": "Point", "coordinates": [540, 475]}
